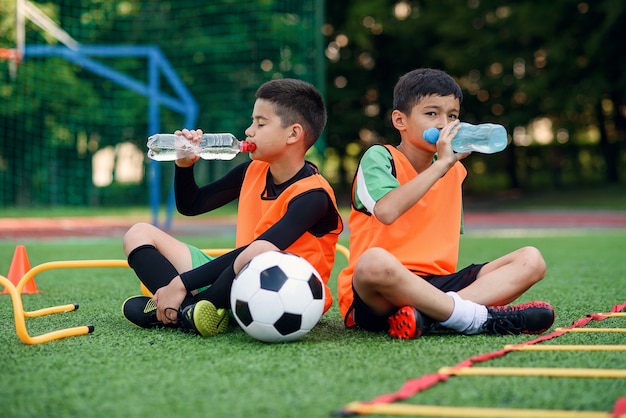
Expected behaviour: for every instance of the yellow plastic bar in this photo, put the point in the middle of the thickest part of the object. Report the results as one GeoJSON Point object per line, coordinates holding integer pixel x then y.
{"type": "Point", "coordinates": [466, 412]}
{"type": "Point", "coordinates": [343, 250]}
{"type": "Point", "coordinates": [20, 323]}
{"type": "Point", "coordinates": [591, 329]}
{"type": "Point", "coordinates": [535, 371]}
{"type": "Point", "coordinates": [555, 347]}
{"type": "Point", "coordinates": [62, 265]}
{"type": "Point", "coordinates": [51, 310]}
{"type": "Point", "coordinates": [615, 314]}
{"type": "Point", "coordinates": [216, 252]}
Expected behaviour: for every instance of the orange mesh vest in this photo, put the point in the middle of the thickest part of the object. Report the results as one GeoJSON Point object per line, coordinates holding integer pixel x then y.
{"type": "Point", "coordinates": [425, 239]}
{"type": "Point", "coordinates": [256, 214]}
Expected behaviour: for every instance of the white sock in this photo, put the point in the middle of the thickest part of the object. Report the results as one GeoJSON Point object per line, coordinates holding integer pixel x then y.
{"type": "Point", "coordinates": [467, 317]}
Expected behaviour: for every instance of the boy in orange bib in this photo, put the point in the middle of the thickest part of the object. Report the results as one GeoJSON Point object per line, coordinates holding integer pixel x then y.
{"type": "Point", "coordinates": [284, 204]}
{"type": "Point", "coordinates": [405, 227]}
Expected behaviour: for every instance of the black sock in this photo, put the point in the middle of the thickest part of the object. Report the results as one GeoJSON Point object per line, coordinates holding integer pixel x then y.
{"type": "Point", "coordinates": [153, 269]}
{"type": "Point", "coordinates": [219, 292]}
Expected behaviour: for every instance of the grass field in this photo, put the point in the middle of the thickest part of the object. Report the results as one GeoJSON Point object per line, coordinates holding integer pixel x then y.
{"type": "Point", "coordinates": [121, 370]}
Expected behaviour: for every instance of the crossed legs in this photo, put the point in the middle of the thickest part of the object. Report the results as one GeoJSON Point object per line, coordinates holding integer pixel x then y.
{"type": "Point", "coordinates": [384, 284]}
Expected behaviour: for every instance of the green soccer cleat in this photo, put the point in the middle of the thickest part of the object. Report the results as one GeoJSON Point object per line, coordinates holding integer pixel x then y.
{"type": "Point", "coordinates": [203, 318]}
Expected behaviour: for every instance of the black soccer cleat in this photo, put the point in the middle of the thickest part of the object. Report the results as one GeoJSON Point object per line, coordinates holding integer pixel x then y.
{"type": "Point", "coordinates": [527, 318]}
{"type": "Point", "coordinates": [141, 311]}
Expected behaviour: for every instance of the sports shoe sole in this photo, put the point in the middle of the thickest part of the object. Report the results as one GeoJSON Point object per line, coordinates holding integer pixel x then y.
{"type": "Point", "coordinates": [209, 320]}
{"type": "Point", "coordinates": [406, 324]}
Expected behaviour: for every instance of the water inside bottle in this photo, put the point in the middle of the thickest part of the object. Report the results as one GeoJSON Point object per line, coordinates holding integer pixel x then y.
{"type": "Point", "coordinates": [160, 154]}
{"type": "Point", "coordinates": [222, 153]}
{"type": "Point", "coordinates": [170, 148]}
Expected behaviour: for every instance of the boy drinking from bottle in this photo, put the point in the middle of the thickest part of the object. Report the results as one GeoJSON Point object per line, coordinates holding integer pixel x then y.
{"type": "Point", "coordinates": [284, 204]}
{"type": "Point", "coordinates": [405, 227]}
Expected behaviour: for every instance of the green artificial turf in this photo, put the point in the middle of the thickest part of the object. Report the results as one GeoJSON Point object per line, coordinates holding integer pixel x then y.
{"type": "Point", "coordinates": [123, 371]}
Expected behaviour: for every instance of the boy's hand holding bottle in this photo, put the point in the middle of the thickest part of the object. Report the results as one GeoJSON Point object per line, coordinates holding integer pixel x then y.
{"type": "Point", "coordinates": [445, 145]}
{"type": "Point", "coordinates": [187, 146]}
{"type": "Point", "coordinates": [193, 136]}
{"type": "Point", "coordinates": [486, 138]}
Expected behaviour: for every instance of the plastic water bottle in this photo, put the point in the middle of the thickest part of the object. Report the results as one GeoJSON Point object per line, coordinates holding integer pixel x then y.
{"type": "Point", "coordinates": [171, 147]}
{"type": "Point", "coordinates": [486, 138]}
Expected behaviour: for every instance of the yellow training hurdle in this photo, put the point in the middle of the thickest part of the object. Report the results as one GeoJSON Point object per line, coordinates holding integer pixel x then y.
{"type": "Point", "coordinates": [20, 314]}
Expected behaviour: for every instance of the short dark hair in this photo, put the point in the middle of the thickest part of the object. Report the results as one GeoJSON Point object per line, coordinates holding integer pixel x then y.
{"type": "Point", "coordinates": [296, 101]}
{"type": "Point", "coordinates": [417, 84]}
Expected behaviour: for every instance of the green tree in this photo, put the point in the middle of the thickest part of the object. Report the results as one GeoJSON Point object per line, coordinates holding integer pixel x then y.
{"type": "Point", "coordinates": [222, 50]}
{"type": "Point", "coordinates": [516, 61]}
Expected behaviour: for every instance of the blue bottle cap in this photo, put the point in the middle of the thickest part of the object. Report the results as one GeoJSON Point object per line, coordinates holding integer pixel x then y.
{"type": "Point", "coordinates": [431, 135]}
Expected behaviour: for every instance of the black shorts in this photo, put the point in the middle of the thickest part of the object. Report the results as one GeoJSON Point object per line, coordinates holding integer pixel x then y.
{"type": "Point", "coordinates": [365, 318]}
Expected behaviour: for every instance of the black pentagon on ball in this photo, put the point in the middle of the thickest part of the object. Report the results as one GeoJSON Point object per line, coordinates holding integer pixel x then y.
{"type": "Point", "coordinates": [316, 287]}
{"type": "Point", "coordinates": [242, 310]}
{"type": "Point", "coordinates": [288, 323]}
{"type": "Point", "coordinates": [273, 278]}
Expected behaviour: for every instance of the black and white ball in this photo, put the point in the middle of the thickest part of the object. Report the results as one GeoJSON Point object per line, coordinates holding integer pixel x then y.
{"type": "Point", "coordinates": [277, 297]}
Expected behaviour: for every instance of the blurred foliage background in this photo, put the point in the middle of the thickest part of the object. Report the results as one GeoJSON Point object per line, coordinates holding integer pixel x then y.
{"type": "Point", "coordinates": [554, 74]}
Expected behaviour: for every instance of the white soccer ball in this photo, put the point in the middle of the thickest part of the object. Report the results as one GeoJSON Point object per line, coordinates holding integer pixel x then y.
{"type": "Point", "coordinates": [277, 297]}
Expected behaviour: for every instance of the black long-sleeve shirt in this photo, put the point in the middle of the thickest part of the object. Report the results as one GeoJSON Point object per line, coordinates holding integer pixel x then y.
{"type": "Point", "coordinates": [310, 212]}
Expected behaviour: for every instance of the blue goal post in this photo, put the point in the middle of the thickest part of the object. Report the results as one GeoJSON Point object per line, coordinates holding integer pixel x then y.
{"type": "Point", "coordinates": [157, 66]}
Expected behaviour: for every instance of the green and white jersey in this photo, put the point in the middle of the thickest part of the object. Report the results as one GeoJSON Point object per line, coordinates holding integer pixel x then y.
{"type": "Point", "coordinates": [375, 177]}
